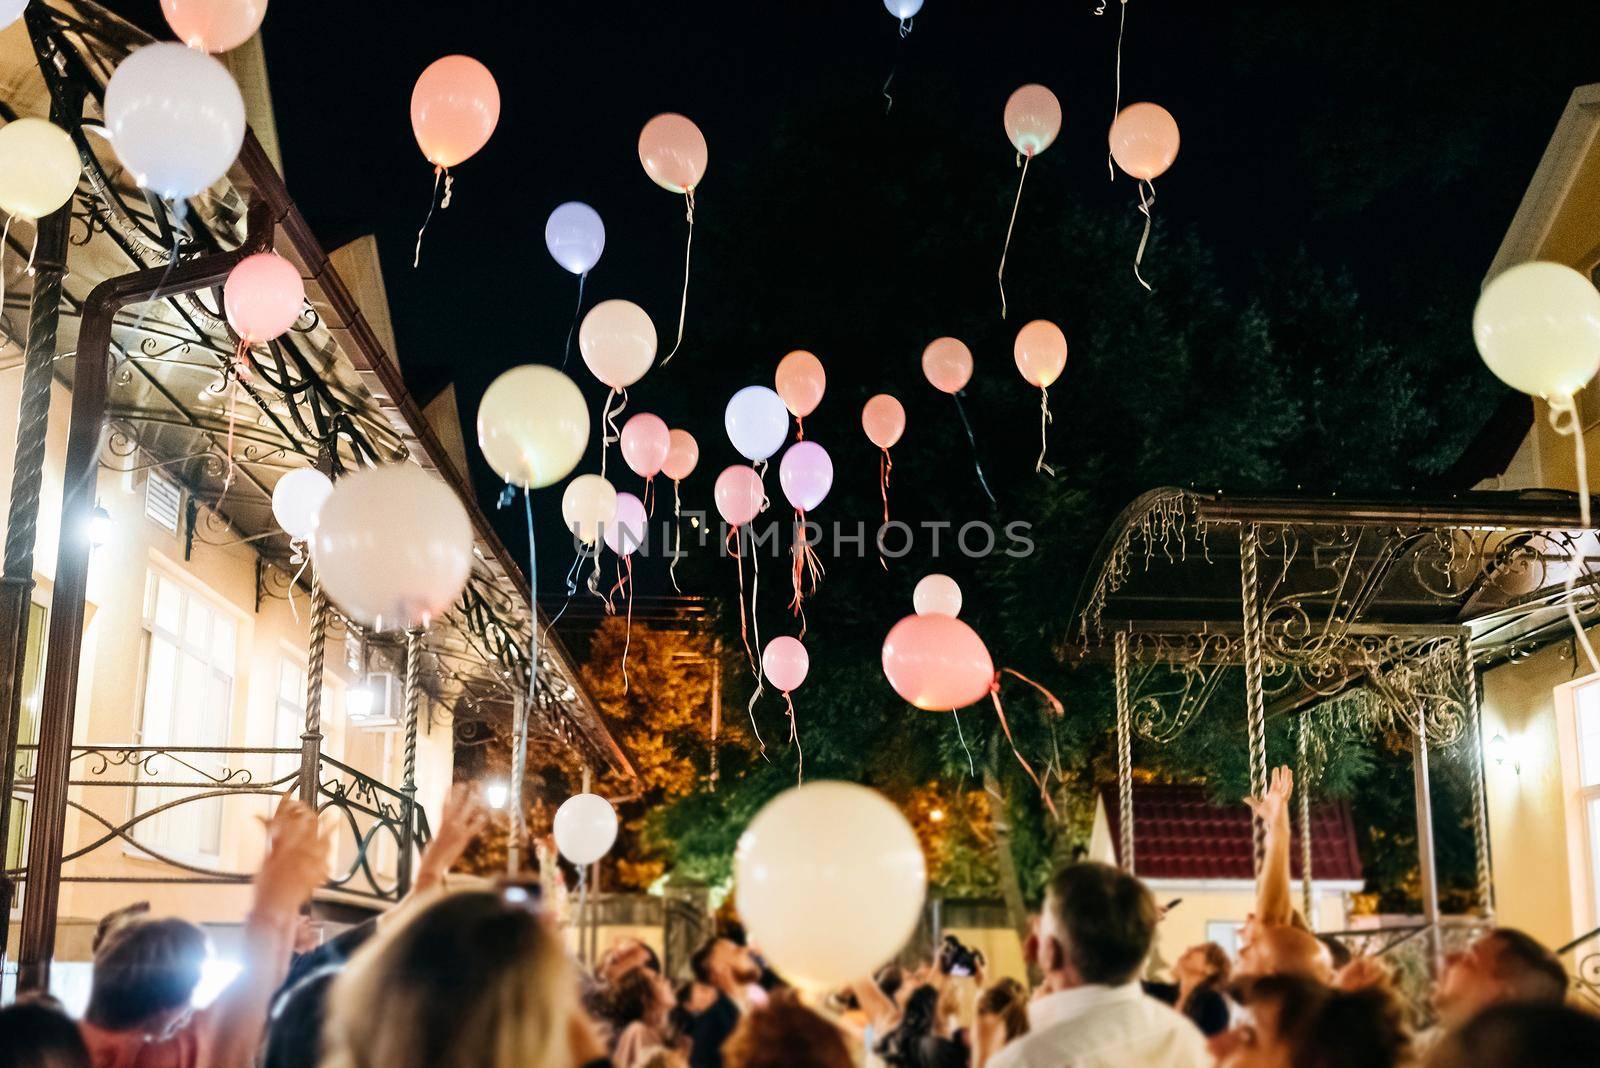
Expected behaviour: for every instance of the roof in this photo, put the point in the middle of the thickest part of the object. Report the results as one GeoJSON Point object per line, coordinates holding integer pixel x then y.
{"type": "Point", "coordinates": [1180, 833]}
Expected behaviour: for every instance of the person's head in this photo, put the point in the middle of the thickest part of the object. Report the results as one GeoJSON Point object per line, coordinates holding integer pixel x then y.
{"type": "Point", "coordinates": [1007, 1000]}
{"type": "Point", "coordinates": [1512, 1035]}
{"type": "Point", "coordinates": [1282, 949]}
{"type": "Point", "coordinates": [470, 981]}
{"type": "Point", "coordinates": [36, 1035]}
{"type": "Point", "coordinates": [294, 1031]}
{"type": "Point", "coordinates": [1097, 926]}
{"type": "Point", "coordinates": [723, 963]}
{"type": "Point", "coordinates": [1293, 1022]}
{"type": "Point", "coordinates": [116, 919]}
{"type": "Point", "coordinates": [890, 978]}
{"type": "Point", "coordinates": [1500, 966]}
{"type": "Point", "coordinates": [785, 1034]}
{"type": "Point", "coordinates": [639, 995]}
{"type": "Point", "coordinates": [624, 958]}
{"type": "Point", "coordinates": [1206, 963]}
{"type": "Point", "coordinates": [145, 972]}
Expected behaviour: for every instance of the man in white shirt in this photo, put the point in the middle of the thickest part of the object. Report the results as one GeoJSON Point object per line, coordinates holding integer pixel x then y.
{"type": "Point", "coordinates": [1095, 931]}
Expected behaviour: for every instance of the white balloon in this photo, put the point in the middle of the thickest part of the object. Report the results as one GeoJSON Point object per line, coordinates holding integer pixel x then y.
{"type": "Point", "coordinates": [757, 421]}
{"type": "Point", "coordinates": [533, 425]}
{"type": "Point", "coordinates": [830, 882]}
{"type": "Point", "coordinates": [937, 595]}
{"type": "Point", "coordinates": [903, 9]}
{"type": "Point", "coordinates": [585, 828]}
{"type": "Point", "coordinates": [393, 546]}
{"type": "Point", "coordinates": [175, 119]}
{"type": "Point", "coordinates": [1537, 326]}
{"type": "Point", "coordinates": [575, 236]}
{"type": "Point", "coordinates": [588, 504]}
{"type": "Point", "coordinates": [11, 11]}
{"type": "Point", "coordinates": [298, 498]}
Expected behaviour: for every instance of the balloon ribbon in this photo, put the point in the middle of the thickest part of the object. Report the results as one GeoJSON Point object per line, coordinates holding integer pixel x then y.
{"type": "Point", "coordinates": [533, 622]}
{"type": "Point", "coordinates": [1146, 202]}
{"type": "Point", "coordinates": [885, 466]}
{"type": "Point", "coordinates": [736, 536]}
{"type": "Point", "coordinates": [677, 536]}
{"type": "Point", "coordinates": [1045, 419]}
{"type": "Point", "coordinates": [625, 585]}
{"type": "Point", "coordinates": [806, 564]}
{"type": "Point", "coordinates": [972, 439]}
{"type": "Point", "coordinates": [608, 415]}
{"type": "Point", "coordinates": [1116, 100]}
{"type": "Point", "coordinates": [688, 246]}
{"type": "Point", "coordinates": [439, 174]}
{"type": "Point", "coordinates": [1000, 275]}
{"type": "Point", "coordinates": [567, 352]}
{"type": "Point", "coordinates": [1564, 420]}
{"type": "Point", "coordinates": [794, 737]}
{"type": "Point", "coordinates": [905, 31]}
{"type": "Point", "coordinates": [1000, 712]}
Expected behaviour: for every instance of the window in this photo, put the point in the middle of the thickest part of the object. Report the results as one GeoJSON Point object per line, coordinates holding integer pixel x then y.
{"type": "Point", "coordinates": [188, 702]}
{"type": "Point", "coordinates": [289, 717]}
{"type": "Point", "coordinates": [27, 731]}
{"type": "Point", "coordinates": [1586, 724]}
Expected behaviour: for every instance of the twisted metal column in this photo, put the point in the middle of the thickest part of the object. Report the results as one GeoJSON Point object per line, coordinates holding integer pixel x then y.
{"type": "Point", "coordinates": [1302, 775]}
{"type": "Point", "coordinates": [519, 764]}
{"type": "Point", "coordinates": [311, 739]}
{"type": "Point", "coordinates": [1255, 703]}
{"type": "Point", "coordinates": [1124, 755]}
{"type": "Point", "coordinates": [408, 774]}
{"type": "Point", "coordinates": [1480, 804]}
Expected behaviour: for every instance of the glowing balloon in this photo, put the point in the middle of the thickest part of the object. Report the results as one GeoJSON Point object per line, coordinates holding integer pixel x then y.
{"type": "Point", "coordinates": [1033, 119]}
{"type": "Point", "coordinates": [947, 363]}
{"type": "Point", "coordinates": [937, 595]}
{"type": "Point", "coordinates": [757, 422]}
{"type": "Point", "coordinates": [575, 236]}
{"type": "Point", "coordinates": [626, 532]}
{"type": "Point", "coordinates": [1041, 351]}
{"type": "Point", "coordinates": [1537, 326]}
{"type": "Point", "coordinates": [785, 662]}
{"type": "Point", "coordinates": [454, 109]}
{"type": "Point", "coordinates": [585, 828]}
{"type": "Point", "coordinates": [214, 25]}
{"type": "Point", "coordinates": [673, 151]}
{"type": "Point", "coordinates": [588, 504]}
{"type": "Point", "coordinates": [1144, 140]}
{"type": "Point", "coordinates": [393, 546]}
{"type": "Point", "coordinates": [806, 474]}
{"type": "Point", "coordinates": [683, 453]}
{"type": "Point", "coordinates": [618, 342]}
{"type": "Point", "coordinates": [937, 662]}
{"type": "Point", "coordinates": [298, 498]}
{"type": "Point", "coordinates": [532, 426]}
{"type": "Point", "coordinates": [263, 296]}
{"type": "Point", "coordinates": [884, 420]}
{"type": "Point", "coordinates": [11, 11]}
{"type": "Point", "coordinates": [645, 443]}
{"type": "Point", "coordinates": [903, 9]}
{"type": "Point", "coordinates": [829, 881]}
{"type": "Point", "coordinates": [800, 381]}
{"type": "Point", "coordinates": [175, 119]}
{"type": "Point", "coordinates": [39, 167]}
{"type": "Point", "coordinates": [739, 495]}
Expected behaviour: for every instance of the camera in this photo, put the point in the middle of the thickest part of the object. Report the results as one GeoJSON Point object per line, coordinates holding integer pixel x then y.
{"type": "Point", "coordinates": [957, 959]}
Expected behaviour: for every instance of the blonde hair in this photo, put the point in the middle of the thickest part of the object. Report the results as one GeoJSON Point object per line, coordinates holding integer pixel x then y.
{"type": "Point", "coordinates": [471, 980]}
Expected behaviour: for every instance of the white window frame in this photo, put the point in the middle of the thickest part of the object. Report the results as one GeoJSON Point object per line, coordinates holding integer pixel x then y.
{"type": "Point", "coordinates": [294, 708]}
{"type": "Point", "coordinates": [1583, 828]}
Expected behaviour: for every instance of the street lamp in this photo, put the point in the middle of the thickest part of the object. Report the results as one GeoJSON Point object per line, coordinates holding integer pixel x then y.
{"type": "Point", "coordinates": [358, 701]}
{"type": "Point", "coordinates": [100, 527]}
{"type": "Point", "coordinates": [496, 793]}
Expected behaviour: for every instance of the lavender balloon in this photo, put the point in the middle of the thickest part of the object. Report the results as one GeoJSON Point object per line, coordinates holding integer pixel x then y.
{"type": "Point", "coordinates": [626, 531]}
{"type": "Point", "coordinates": [575, 236]}
{"type": "Point", "coordinates": [757, 421]}
{"type": "Point", "coordinates": [806, 474]}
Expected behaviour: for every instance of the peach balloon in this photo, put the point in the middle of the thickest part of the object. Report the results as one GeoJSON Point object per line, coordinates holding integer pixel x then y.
{"type": "Point", "coordinates": [263, 296]}
{"type": "Point", "coordinates": [800, 382]}
{"type": "Point", "coordinates": [1144, 140]}
{"type": "Point", "coordinates": [645, 444]}
{"type": "Point", "coordinates": [454, 109]}
{"type": "Point", "coordinates": [214, 25]}
{"type": "Point", "coordinates": [937, 662]}
{"type": "Point", "coordinates": [948, 364]}
{"type": "Point", "coordinates": [1041, 352]}
{"type": "Point", "coordinates": [739, 495]}
{"type": "Point", "coordinates": [618, 342]}
{"type": "Point", "coordinates": [1033, 119]}
{"type": "Point", "coordinates": [673, 151]}
{"type": "Point", "coordinates": [884, 420]}
{"type": "Point", "coordinates": [683, 453]}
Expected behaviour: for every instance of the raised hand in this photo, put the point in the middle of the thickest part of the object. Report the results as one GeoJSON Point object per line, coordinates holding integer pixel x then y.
{"type": "Point", "coordinates": [297, 857]}
{"type": "Point", "coordinates": [1274, 804]}
{"type": "Point", "coordinates": [463, 816]}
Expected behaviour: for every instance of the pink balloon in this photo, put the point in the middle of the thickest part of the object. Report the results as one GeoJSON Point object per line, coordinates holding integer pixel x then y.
{"type": "Point", "coordinates": [800, 382]}
{"type": "Point", "coordinates": [884, 420]}
{"type": "Point", "coordinates": [947, 363]}
{"type": "Point", "coordinates": [214, 25]}
{"type": "Point", "coordinates": [1032, 119]}
{"type": "Point", "coordinates": [673, 151]}
{"type": "Point", "coordinates": [454, 109]}
{"type": "Point", "coordinates": [937, 662]}
{"type": "Point", "coordinates": [683, 453]}
{"type": "Point", "coordinates": [1144, 140]}
{"type": "Point", "coordinates": [263, 296]}
{"type": "Point", "coordinates": [1041, 352]}
{"type": "Point", "coordinates": [785, 663]}
{"type": "Point", "coordinates": [625, 533]}
{"type": "Point", "coordinates": [645, 444]}
{"type": "Point", "coordinates": [739, 494]}
{"type": "Point", "coordinates": [806, 474]}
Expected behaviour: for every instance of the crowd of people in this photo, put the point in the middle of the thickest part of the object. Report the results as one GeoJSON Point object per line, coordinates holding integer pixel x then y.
{"type": "Point", "coordinates": [482, 978]}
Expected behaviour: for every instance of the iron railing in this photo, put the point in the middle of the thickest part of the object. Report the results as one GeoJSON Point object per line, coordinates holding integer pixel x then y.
{"type": "Point", "coordinates": [1582, 958]}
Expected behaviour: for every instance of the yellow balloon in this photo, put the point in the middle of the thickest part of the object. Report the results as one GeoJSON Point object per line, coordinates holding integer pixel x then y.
{"type": "Point", "coordinates": [39, 168]}
{"type": "Point", "coordinates": [618, 342]}
{"type": "Point", "coordinates": [589, 505]}
{"type": "Point", "coordinates": [1537, 326]}
{"type": "Point", "coordinates": [533, 426]}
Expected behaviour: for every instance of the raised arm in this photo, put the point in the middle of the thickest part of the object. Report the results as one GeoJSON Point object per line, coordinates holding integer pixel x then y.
{"type": "Point", "coordinates": [462, 817]}
{"type": "Point", "coordinates": [1274, 897]}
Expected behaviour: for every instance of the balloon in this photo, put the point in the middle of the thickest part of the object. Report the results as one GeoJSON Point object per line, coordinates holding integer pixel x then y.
{"type": "Point", "coordinates": [1033, 119]}
{"type": "Point", "coordinates": [673, 151]}
{"type": "Point", "coordinates": [588, 504]}
{"type": "Point", "coordinates": [11, 11]}
{"type": "Point", "coordinates": [785, 663]}
{"type": "Point", "coordinates": [214, 25]}
{"type": "Point", "coordinates": [645, 443]}
{"type": "Point", "coordinates": [575, 236]}
{"type": "Point", "coordinates": [618, 342]}
{"type": "Point", "coordinates": [585, 828]}
{"type": "Point", "coordinates": [532, 426]}
{"type": "Point", "coordinates": [739, 495]}
{"type": "Point", "coordinates": [1041, 352]}
{"type": "Point", "coordinates": [903, 9]}
{"type": "Point", "coordinates": [829, 881]}
{"type": "Point", "coordinates": [806, 474]}
{"type": "Point", "coordinates": [39, 167]}
{"type": "Point", "coordinates": [682, 455]}
{"type": "Point", "coordinates": [1537, 326]}
{"type": "Point", "coordinates": [393, 546]}
{"type": "Point", "coordinates": [947, 362]}
{"type": "Point", "coordinates": [800, 381]}
{"type": "Point", "coordinates": [298, 498]}
{"type": "Point", "coordinates": [937, 662]}
{"type": "Point", "coordinates": [626, 532]}
{"type": "Point", "coordinates": [757, 422]}
{"type": "Point", "coordinates": [1144, 140]}
{"type": "Point", "coordinates": [263, 297]}
{"type": "Point", "coordinates": [454, 109]}
{"type": "Point", "coordinates": [175, 119]}
{"type": "Point", "coordinates": [937, 595]}
{"type": "Point", "coordinates": [884, 420]}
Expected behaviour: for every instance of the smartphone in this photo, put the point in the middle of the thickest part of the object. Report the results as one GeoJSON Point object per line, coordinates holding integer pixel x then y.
{"type": "Point", "coordinates": [1174, 903]}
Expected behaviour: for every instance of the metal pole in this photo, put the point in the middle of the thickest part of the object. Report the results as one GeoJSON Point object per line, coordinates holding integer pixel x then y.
{"type": "Point", "coordinates": [1255, 704]}
{"type": "Point", "coordinates": [408, 776]}
{"type": "Point", "coordinates": [1302, 774]}
{"type": "Point", "coordinates": [1124, 755]}
{"type": "Point", "coordinates": [1430, 878]}
{"type": "Point", "coordinates": [519, 763]}
{"type": "Point", "coordinates": [311, 737]}
{"type": "Point", "coordinates": [1480, 804]}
